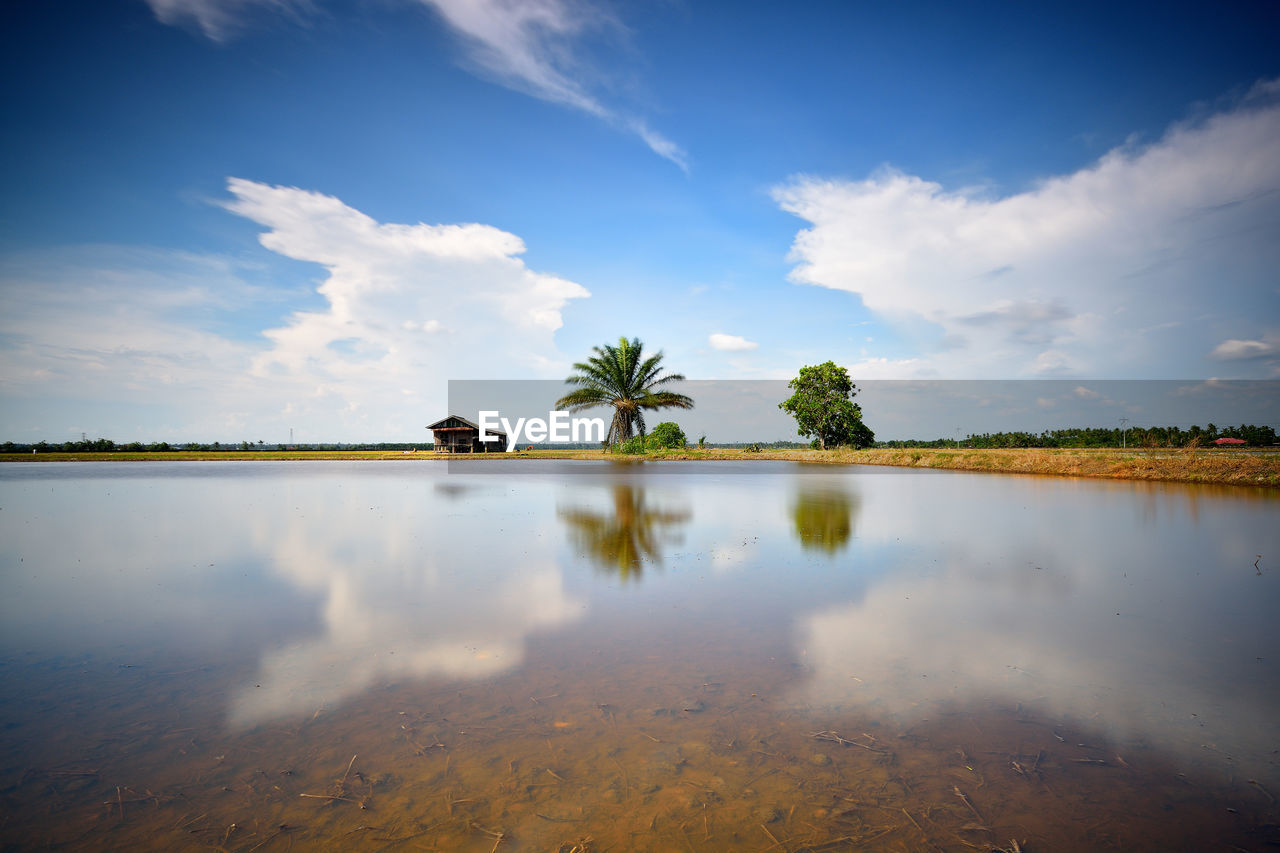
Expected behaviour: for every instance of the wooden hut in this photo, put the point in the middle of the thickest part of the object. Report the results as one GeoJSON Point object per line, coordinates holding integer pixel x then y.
{"type": "Point", "coordinates": [456, 434]}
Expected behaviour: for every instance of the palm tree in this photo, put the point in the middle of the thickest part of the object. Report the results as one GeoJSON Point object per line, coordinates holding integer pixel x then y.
{"type": "Point", "coordinates": [621, 377]}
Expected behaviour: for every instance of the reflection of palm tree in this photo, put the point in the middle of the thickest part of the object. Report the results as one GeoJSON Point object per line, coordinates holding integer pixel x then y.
{"type": "Point", "coordinates": [824, 518]}
{"type": "Point", "coordinates": [623, 540]}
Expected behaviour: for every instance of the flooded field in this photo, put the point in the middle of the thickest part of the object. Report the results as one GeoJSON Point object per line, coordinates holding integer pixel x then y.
{"type": "Point", "coordinates": [575, 656]}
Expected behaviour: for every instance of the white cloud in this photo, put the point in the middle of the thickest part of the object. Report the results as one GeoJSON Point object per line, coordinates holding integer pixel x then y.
{"type": "Point", "coordinates": [404, 306]}
{"type": "Point", "coordinates": [219, 20]}
{"type": "Point", "coordinates": [525, 45]}
{"type": "Point", "coordinates": [731, 343]}
{"type": "Point", "coordinates": [528, 46]}
{"type": "Point", "coordinates": [1049, 281]}
{"type": "Point", "coordinates": [393, 290]}
{"type": "Point", "coordinates": [1236, 350]}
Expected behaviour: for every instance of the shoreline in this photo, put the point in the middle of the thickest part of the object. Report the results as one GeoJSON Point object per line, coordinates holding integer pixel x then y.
{"type": "Point", "coordinates": [1174, 465]}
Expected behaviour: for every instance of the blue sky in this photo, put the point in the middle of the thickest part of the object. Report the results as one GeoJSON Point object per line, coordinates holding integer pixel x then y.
{"type": "Point", "coordinates": [226, 218]}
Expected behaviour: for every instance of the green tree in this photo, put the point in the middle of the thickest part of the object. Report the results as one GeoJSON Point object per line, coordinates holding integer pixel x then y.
{"type": "Point", "coordinates": [667, 435]}
{"type": "Point", "coordinates": [620, 376]}
{"type": "Point", "coordinates": [824, 409]}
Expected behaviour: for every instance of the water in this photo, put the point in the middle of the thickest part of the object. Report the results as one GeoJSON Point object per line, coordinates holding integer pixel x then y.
{"type": "Point", "coordinates": [679, 656]}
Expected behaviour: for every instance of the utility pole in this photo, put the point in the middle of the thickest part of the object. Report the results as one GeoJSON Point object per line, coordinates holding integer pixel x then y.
{"type": "Point", "coordinates": [1123, 422]}
{"type": "Point", "coordinates": [290, 437]}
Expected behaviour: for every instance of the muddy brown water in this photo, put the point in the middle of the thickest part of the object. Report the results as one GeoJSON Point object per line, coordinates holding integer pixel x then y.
{"type": "Point", "coordinates": [671, 657]}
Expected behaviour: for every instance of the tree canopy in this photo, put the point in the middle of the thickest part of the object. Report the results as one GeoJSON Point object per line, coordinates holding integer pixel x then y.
{"type": "Point", "coordinates": [620, 376]}
{"type": "Point", "coordinates": [824, 409]}
{"type": "Point", "coordinates": [668, 435]}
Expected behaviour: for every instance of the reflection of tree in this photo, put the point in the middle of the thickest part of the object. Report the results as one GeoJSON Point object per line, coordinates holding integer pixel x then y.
{"type": "Point", "coordinates": [824, 518]}
{"type": "Point", "coordinates": [623, 540]}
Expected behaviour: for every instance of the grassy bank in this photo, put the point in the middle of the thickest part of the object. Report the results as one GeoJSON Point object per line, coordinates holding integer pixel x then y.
{"type": "Point", "coordinates": [215, 456]}
{"type": "Point", "coordinates": [1237, 467]}
{"type": "Point", "coordinates": [1183, 466]}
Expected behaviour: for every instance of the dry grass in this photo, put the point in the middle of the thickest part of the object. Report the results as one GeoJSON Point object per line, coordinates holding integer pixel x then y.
{"type": "Point", "coordinates": [219, 456]}
{"type": "Point", "coordinates": [1236, 467]}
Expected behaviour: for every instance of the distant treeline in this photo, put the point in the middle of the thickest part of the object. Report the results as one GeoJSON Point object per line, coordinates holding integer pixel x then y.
{"type": "Point", "coordinates": [106, 445]}
{"type": "Point", "coordinates": [1087, 437]}
{"type": "Point", "coordinates": [1105, 437]}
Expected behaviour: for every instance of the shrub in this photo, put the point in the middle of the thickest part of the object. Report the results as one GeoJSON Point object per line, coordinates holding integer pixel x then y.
{"type": "Point", "coordinates": [632, 445]}
{"type": "Point", "coordinates": [667, 435]}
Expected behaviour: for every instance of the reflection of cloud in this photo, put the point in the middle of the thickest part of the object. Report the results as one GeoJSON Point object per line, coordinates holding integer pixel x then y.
{"type": "Point", "coordinates": [1049, 598]}
{"type": "Point", "coordinates": [624, 539]}
{"type": "Point", "coordinates": [370, 640]}
{"type": "Point", "coordinates": [393, 609]}
{"type": "Point", "coordinates": [725, 558]}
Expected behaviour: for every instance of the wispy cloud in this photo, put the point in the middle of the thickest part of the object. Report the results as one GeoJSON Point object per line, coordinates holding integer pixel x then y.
{"type": "Point", "coordinates": [1237, 350]}
{"type": "Point", "coordinates": [220, 20]}
{"type": "Point", "coordinates": [528, 45]}
{"type": "Point", "coordinates": [531, 46]}
{"type": "Point", "coordinates": [1077, 275]}
{"type": "Point", "coordinates": [731, 343]}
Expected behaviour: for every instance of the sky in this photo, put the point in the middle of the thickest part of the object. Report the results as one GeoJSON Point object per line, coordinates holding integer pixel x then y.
{"type": "Point", "coordinates": [229, 219]}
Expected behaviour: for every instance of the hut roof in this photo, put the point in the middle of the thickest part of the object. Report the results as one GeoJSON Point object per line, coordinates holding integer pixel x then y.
{"type": "Point", "coordinates": [475, 426]}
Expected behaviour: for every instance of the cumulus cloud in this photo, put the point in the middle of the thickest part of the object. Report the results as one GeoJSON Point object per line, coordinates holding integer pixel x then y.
{"type": "Point", "coordinates": [1089, 272]}
{"type": "Point", "coordinates": [731, 343]}
{"type": "Point", "coordinates": [393, 291]}
{"type": "Point", "coordinates": [404, 309]}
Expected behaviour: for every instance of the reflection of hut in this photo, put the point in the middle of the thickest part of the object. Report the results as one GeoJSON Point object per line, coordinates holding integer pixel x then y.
{"type": "Point", "coordinates": [458, 435]}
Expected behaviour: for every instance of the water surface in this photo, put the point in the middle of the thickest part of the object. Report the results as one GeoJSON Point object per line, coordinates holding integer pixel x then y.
{"type": "Point", "coordinates": [675, 656]}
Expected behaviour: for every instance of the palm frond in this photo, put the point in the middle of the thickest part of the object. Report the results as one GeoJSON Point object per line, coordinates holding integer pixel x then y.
{"type": "Point", "coordinates": [620, 376]}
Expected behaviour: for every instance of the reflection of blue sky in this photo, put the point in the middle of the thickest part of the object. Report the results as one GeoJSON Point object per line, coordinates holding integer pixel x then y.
{"type": "Point", "coordinates": [331, 579]}
{"type": "Point", "coordinates": [113, 561]}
